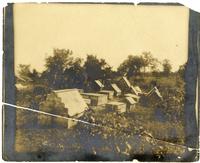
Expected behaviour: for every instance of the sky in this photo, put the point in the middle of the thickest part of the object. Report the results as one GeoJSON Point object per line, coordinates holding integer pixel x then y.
{"type": "Point", "coordinates": [108, 31]}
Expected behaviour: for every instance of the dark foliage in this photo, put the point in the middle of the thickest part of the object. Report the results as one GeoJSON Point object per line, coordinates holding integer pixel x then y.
{"type": "Point", "coordinates": [121, 133]}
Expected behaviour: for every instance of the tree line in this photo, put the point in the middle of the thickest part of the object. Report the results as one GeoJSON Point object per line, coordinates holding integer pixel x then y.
{"type": "Point", "coordinates": [62, 70]}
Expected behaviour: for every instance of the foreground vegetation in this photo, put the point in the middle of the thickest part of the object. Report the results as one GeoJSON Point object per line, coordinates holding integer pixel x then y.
{"type": "Point", "coordinates": [122, 137]}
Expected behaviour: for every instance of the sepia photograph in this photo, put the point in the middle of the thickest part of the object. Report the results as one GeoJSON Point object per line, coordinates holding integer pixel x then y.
{"type": "Point", "coordinates": [100, 82]}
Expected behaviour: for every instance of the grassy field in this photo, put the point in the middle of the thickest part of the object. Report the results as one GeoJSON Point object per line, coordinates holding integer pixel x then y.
{"type": "Point", "coordinates": [122, 137]}
{"type": "Point", "coordinates": [64, 141]}
{"type": "Point", "coordinates": [155, 132]}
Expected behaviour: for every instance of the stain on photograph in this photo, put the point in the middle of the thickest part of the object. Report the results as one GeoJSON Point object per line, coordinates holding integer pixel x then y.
{"type": "Point", "coordinates": [102, 82]}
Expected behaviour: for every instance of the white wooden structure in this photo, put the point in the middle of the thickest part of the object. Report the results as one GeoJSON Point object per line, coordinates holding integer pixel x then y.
{"type": "Point", "coordinates": [138, 89]}
{"type": "Point", "coordinates": [135, 97]}
{"type": "Point", "coordinates": [133, 90]}
{"type": "Point", "coordinates": [98, 85]}
{"type": "Point", "coordinates": [96, 98]}
{"type": "Point", "coordinates": [119, 107]}
{"type": "Point", "coordinates": [109, 93]}
{"type": "Point", "coordinates": [124, 85]}
{"type": "Point", "coordinates": [131, 103]}
{"type": "Point", "coordinates": [116, 89]}
{"type": "Point", "coordinates": [73, 107]}
{"type": "Point", "coordinates": [72, 100]}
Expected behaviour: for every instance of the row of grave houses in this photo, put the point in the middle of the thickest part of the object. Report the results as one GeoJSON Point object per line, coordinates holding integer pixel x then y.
{"type": "Point", "coordinates": [118, 97]}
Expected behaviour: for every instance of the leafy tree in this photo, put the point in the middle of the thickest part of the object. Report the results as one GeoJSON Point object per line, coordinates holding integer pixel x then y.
{"type": "Point", "coordinates": [106, 70]}
{"type": "Point", "coordinates": [26, 76]}
{"type": "Point", "coordinates": [97, 68]}
{"type": "Point", "coordinates": [108, 73]}
{"type": "Point", "coordinates": [150, 62]}
{"type": "Point", "coordinates": [166, 67]}
{"type": "Point", "coordinates": [55, 67]}
{"type": "Point", "coordinates": [131, 66]}
{"type": "Point", "coordinates": [75, 75]}
{"type": "Point", "coordinates": [24, 73]}
{"type": "Point", "coordinates": [35, 91]}
{"type": "Point", "coordinates": [181, 70]}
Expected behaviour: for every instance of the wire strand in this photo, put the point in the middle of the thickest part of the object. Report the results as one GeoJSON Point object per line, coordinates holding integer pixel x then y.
{"type": "Point", "coordinates": [96, 125]}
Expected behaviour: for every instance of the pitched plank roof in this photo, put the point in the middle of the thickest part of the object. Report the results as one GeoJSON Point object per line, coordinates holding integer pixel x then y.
{"type": "Point", "coordinates": [138, 89]}
{"type": "Point", "coordinates": [72, 100]}
{"type": "Point", "coordinates": [133, 89]}
{"type": "Point", "coordinates": [116, 88]}
{"type": "Point", "coordinates": [156, 91]}
{"type": "Point", "coordinates": [131, 95]}
{"type": "Point", "coordinates": [126, 81]}
{"type": "Point", "coordinates": [130, 100]}
{"type": "Point", "coordinates": [98, 82]}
